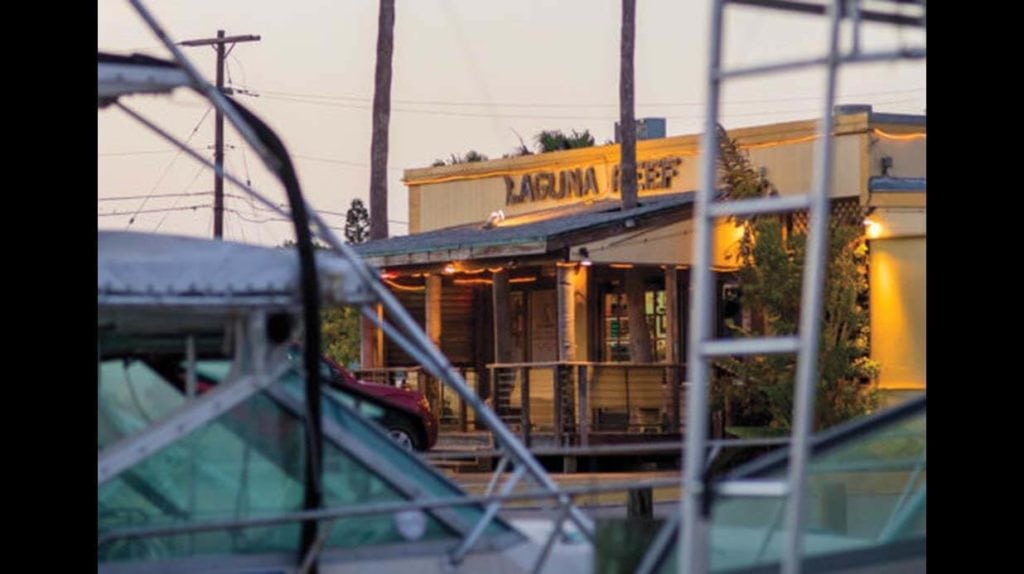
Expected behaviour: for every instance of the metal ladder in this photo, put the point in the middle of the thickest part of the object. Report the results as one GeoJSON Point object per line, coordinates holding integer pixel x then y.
{"type": "Point", "coordinates": [694, 534]}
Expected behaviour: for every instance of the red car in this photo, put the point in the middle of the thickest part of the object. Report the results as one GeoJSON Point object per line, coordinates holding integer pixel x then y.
{"type": "Point", "coordinates": [407, 416]}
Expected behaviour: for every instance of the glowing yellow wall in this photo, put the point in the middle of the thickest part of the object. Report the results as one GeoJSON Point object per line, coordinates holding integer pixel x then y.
{"type": "Point", "coordinates": [898, 311]}
{"type": "Point", "coordinates": [671, 244]}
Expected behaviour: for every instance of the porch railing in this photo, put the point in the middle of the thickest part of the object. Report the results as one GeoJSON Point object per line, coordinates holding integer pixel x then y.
{"type": "Point", "coordinates": [576, 399]}
{"type": "Point", "coordinates": [452, 412]}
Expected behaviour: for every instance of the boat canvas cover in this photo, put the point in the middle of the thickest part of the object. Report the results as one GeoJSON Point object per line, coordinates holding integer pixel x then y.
{"type": "Point", "coordinates": [166, 270]}
{"type": "Point", "coordinates": [119, 75]}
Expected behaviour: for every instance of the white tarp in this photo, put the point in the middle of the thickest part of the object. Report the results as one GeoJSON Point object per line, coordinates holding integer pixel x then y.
{"type": "Point", "coordinates": [141, 268]}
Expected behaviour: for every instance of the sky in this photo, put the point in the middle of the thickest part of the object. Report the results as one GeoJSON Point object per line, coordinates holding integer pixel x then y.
{"type": "Point", "coordinates": [467, 75]}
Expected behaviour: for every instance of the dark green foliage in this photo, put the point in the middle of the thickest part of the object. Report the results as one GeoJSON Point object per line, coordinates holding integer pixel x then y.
{"type": "Point", "coordinates": [339, 326]}
{"type": "Point", "coordinates": [555, 140]}
{"type": "Point", "coordinates": [471, 156]}
{"type": "Point", "coordinates": [771, 257]}
{"type": "Point", "coordinates": [340, 334]}
{"type": "Point", "coordinates": [357, 222]}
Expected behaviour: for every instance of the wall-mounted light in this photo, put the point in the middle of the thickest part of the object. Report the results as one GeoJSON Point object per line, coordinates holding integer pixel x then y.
{"type": "Point", "coordinates": [872, 228]}
{"type": "Point", "coordinates": [585, 257]}
{"type": "Point", "coordinates": [449, 269]}
{"type": "Point", "coordinates": [494, 219]}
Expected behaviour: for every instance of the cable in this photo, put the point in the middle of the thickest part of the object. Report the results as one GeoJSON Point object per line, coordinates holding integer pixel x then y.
{"type": "Point", "coordinates": [160, 195]}
{"type": "Point", "coordinates": [128, 153]}
{"type": "Point", "coordinates": [340, 161]}
{"type": "Point", "coordinates": [199, 171]}
{"type": "Point", "coordinates": [168, 167]}
{"type": "Point", "coordinates": [548, 117]}
{"type": "Point", "coordinates": [157, 210]}
{"type": "Point", "coordinates": [571, 105]}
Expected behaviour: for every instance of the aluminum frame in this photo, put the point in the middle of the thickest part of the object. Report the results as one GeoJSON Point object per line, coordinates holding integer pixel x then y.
{"type": "Point", "coordinates": [693, 534]}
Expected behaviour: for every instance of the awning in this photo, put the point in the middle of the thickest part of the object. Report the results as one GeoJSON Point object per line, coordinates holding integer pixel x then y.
{"type": "Point", "coordinates": [549, 234]}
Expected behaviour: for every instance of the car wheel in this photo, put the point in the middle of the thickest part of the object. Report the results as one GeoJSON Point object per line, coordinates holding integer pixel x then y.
{"type": "Point", "coordinates": [402, 433]}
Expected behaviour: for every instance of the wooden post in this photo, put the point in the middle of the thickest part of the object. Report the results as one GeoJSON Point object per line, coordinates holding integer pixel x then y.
{"type": "Point", "coordinates": [673, 353]}
{"type": "Point", "coordinates": [502, 318]}
{"type": "Point", "coordinates": [524, 411]}
{"type": "Point", "coordinates": [582, 395]}
{"type": "Point", "coordinates": [433, 324]}
{"type": "Point", "coordinates": [639, 338]}
{"type": "Point", "coordinates": [566, 314]}
{"type": "Point", "coordinates": [556, 401]}
{"type": "Point", "coordinates": [369, 338]}
{"type": "Point", "coordinates": [640, 503]}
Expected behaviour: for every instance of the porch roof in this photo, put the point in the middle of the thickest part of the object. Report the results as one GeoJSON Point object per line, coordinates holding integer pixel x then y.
{"type": "Point", "coordinates": [554, 230]}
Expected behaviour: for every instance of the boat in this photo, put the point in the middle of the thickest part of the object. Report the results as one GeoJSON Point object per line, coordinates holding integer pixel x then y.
{"type": "Point", "coordinates": [270, 470]}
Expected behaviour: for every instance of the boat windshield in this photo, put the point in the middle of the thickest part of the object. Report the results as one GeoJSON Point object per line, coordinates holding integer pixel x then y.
{"type": "Point", "coordinates": [248, 463]}
{"type": "Point", "coordinates": [865, 501]}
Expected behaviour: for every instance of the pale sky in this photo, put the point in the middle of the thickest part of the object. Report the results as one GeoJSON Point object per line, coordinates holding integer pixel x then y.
{"type": "Point", "coordinates": [468, 74]}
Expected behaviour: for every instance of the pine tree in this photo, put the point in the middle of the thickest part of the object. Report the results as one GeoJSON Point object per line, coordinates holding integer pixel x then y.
{"type": "Point", "coordinates": [357, 223]}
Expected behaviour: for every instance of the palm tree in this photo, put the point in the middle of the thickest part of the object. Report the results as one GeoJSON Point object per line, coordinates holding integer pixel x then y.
{"type": "Point", "coordinates": [627, 121]}
{"type": "Point", "coordinates": [555, 140]}
{"type": "Point", "coordinates": [639, 336]}
{"type": "Point", "coordinates": [381, 118]}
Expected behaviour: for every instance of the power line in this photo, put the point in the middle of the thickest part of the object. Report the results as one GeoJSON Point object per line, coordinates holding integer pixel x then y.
{"type": "Point", "coordinates": [543, 116]}
{"type": "Point", "coordinates": [155, 210]}
{"type": "Point", "coordinates": [199, 172]}
{"type": "Point", "coordinates": [167, 169]}
{"type": "Point", "coordinates": [161, 195]}
{"type": "Point", "coordinates": [339, 161]}
{"type": "Point", "coordinates": [140, 152]}
{"type": "Point", "coordinates": [269, 93]}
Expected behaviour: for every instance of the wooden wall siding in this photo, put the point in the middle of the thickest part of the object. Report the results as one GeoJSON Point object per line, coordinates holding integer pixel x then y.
{"type": "Point", "coordinates": [457, 324]}
{"type": "Point", "coordinates": [415, 304]}
{"type": "Point", "coordinates": [614, 404]}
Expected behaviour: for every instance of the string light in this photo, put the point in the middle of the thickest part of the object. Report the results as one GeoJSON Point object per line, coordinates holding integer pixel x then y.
{"type": "Point", "coordinates": [775, 143]}
{"type": "Point", "coordinates": [899, 137]}
{"type": "Point", "coordinates": [401, 287]}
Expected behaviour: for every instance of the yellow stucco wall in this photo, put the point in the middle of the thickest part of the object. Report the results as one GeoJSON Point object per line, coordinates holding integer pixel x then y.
{"type": "Point", "coordinates": [909, 156]}
{"type": "Point", "coordinates": [668, 245]}
{"type": "Point", "coordinates": [898, 279]}
{"type": "Point", "coordinates": [463, 193]}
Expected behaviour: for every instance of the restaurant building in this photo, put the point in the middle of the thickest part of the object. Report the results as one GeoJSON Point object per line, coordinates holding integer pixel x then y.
{"type": "Point", "coordinates": [520, 269]}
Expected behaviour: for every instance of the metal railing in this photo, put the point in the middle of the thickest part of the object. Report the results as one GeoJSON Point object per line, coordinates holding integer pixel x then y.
{"type": "Point", "coordinates": [452, 412]}
{"type": "Point", "coordinates": [573, 400]}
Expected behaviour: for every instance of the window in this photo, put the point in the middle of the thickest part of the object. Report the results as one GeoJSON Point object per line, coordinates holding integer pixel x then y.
{"type": "Point", "coordinates": [615, 313]}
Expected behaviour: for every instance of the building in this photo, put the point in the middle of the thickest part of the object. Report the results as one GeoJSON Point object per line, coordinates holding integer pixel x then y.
{"type": "Point", "coordinates": [518, 268]}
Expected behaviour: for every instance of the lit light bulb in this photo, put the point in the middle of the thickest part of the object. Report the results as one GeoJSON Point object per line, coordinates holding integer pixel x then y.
{"type": "Point", "coordinates": [872, 228]}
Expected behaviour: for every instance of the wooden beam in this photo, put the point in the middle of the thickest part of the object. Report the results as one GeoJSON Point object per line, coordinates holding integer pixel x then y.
{"type": "Point", "coordinates": [566, 314]}
{"type": "Point", "coordinates": [639, 338]}
{"type": "Point", "coordinates": [432, 313]}
{"type": "Point", "coordinates": [368, 353]}
{"type": "Point", "coordinates": [502, 317]}
{"type": "Point", "coordinates": [672, 315]}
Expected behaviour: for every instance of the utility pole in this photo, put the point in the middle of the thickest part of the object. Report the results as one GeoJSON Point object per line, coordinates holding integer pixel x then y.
{"type": "Point", "coordinates": [218, 158]}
